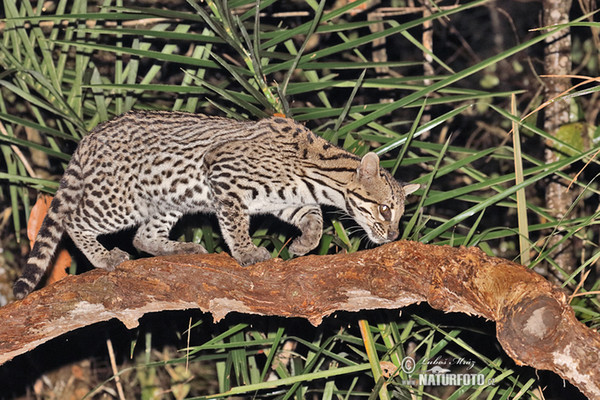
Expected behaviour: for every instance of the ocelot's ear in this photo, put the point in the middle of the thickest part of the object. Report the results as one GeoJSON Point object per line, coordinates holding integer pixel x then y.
{"type": "Point", "coordinates": [369, 166]}
{"type": "Point", "coordinates": [408, 189]}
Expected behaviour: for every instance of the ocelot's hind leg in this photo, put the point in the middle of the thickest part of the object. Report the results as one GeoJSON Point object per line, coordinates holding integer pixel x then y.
{"type": "Point", "coordinates": [309, 220]}
{"type": "Point", "coordinates": [153, 236]}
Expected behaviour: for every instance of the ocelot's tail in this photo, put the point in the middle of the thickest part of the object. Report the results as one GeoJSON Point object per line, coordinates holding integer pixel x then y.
{"type": "Point", "coordinates": [68, 195]}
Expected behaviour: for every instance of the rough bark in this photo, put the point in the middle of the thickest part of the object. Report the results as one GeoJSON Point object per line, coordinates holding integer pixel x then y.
{"type": "Point", "coordinates": [557, 61]}
{"type": "Point", "coordinates": [535, 324]}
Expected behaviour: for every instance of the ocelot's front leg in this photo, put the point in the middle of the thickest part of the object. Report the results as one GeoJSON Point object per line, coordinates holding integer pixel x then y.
{"type": "Point", "coordinates": [235, 224]}
{"type": "Point", "coordinates": [227, 195]}
{"type": "Point", "coordinates": [309, 220]}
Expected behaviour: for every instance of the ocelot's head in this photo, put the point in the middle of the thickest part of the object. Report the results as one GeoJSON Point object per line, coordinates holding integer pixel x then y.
{"type": "Point", "coordinates": [376, 200]}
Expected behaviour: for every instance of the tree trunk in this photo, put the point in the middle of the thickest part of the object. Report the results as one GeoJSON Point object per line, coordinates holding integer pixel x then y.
{"type": "Point", "coordinates": [557, 61]}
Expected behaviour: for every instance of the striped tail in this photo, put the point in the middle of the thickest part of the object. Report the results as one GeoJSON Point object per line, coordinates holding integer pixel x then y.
{"type": "Point", "coordinates": [47, 240]}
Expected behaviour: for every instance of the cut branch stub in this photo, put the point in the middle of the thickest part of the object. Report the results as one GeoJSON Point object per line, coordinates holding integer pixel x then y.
{"type": "Point", "coordinates": [535, 325]}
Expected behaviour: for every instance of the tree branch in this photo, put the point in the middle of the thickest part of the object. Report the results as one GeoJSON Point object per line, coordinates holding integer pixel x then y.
{"type": "Point", "coordinates": [534, 322]}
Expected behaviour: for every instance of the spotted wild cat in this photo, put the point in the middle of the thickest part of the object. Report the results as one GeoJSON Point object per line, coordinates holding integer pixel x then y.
{"type": "Point", "coordinates": [148, 169]}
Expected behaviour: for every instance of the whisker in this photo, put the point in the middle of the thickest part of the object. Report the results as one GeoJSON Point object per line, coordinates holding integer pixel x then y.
{"type": "Point", "coordinates": [369, 244]}
{"type": "Point", "coordinates": [352, 231]}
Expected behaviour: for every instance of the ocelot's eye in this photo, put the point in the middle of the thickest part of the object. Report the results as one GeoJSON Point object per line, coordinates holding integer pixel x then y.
{"type": "Point", "coordinates": [385, 212]}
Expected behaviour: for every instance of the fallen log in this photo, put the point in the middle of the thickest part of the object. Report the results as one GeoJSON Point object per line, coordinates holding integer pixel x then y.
{"type": "Point", "coordinates": [534, 322]}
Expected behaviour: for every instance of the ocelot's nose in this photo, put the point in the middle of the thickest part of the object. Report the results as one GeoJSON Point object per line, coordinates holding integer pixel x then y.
{"type": "Point", "coordinates": [392, 235]}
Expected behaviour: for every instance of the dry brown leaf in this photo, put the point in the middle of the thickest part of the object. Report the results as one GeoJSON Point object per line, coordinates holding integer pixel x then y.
{"type": "Point", "coordinates": [388, 369]}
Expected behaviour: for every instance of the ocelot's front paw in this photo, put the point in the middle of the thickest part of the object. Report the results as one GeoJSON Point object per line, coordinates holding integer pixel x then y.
{"type": "Point", "coordinates": [115, 257]}
{"type": "Point", "coordinates": [253, 256]}
{"type": "Point", "coordinates": [305, 243]}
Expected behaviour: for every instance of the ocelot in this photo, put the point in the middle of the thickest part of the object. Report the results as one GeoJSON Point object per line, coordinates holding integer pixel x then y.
{"type": "Point", "coordinates": [149, 168]}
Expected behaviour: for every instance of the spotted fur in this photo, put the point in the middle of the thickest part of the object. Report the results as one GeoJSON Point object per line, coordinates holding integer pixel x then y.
{"type": "Point", "coordinates": [148, 169]}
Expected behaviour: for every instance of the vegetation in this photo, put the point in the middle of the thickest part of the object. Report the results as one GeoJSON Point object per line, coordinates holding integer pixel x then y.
{"type": "Point", "coordinates": [465, 125]}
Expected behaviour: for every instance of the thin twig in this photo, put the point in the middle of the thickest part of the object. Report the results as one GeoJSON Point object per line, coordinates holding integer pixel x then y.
{"type": "Point", "coordinates": [113, 365]}
{"type": "Point", "coordinates": [19, 154]}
